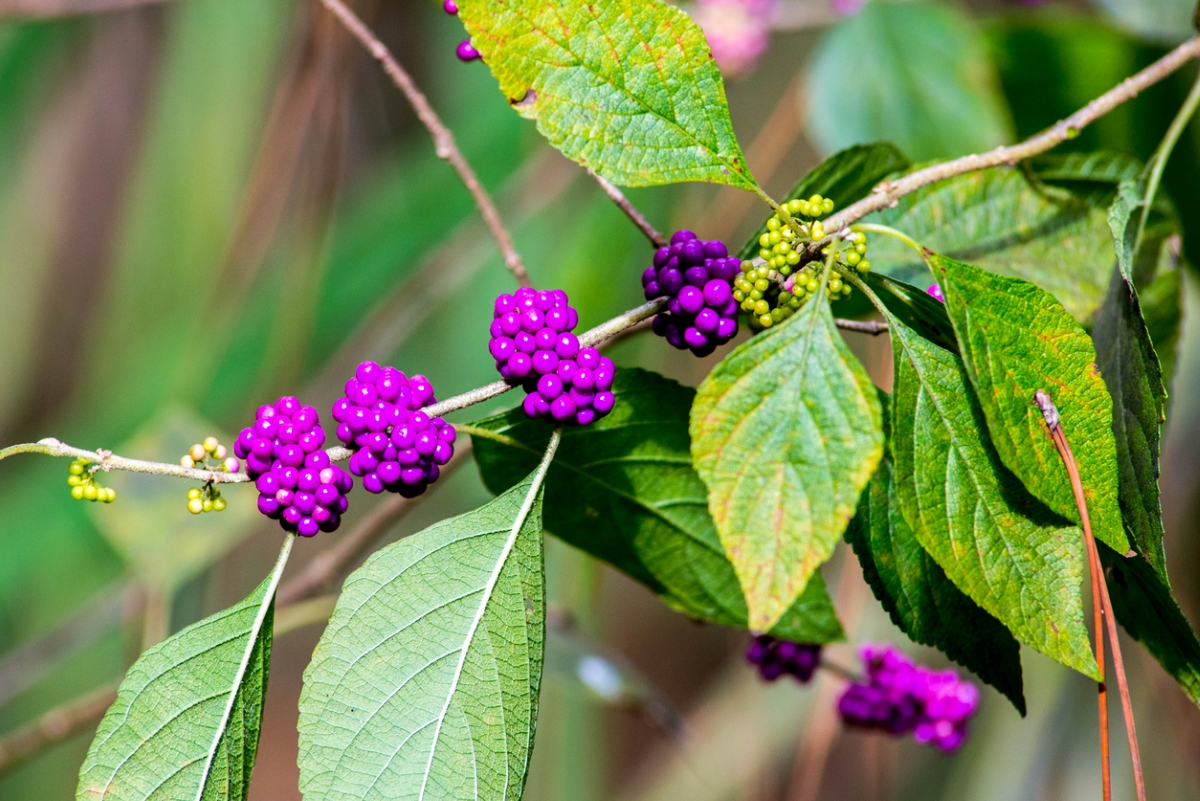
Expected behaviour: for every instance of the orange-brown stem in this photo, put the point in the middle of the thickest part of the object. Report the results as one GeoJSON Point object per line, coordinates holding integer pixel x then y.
{"type": "Point", "coordinates": [1101, 605]}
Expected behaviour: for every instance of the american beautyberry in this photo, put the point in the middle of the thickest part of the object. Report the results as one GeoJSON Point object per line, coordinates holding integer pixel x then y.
{"type": "Point", "coordinates": [296, 483]}
{"type": "Point", "coordinates": [398, 447]}
{"type": "Point", "coordinates": [82, 482]}
{"type": "Point", "coordinates": [776, 658]}
{"type": "Point", "coordinates": [696, 277]}
{"type": "Point", "coordinates": [899, 697]}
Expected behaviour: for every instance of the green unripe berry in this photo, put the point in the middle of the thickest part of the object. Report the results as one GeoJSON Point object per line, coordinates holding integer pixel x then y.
{"type": "Point", "coordinates": [77, 468]}
{"type": "Point", "coordinates": [748, 304]}
{"type": "Point", "coordinates": [762, 284]}
{"type": "Point", "coordinates": [805, 209]}
{"type": "Point", "coordinates": [765, 239]}
{"type": "Point", "coordinates": [739, 295]}
{"type": "Point", "coordinates": [194, 493]}
{"type": "Point", "coordinates": [761, 307]}
{"type": "Point", "coordinates": [755, 294]}
{"type": "Point", "coordinates": [195, 506]}
{"type": "Point", "coordinates": [110, 495]}
{"type": "Point", "coordinates": [206, 505]}
{"type": "Point", "coordinates": [852, 258]}
{"type": "Point", "coordinates": [774, 237]}
{"type": "Point", "coordinates": [90, 492]}
{"type": "Point", "coordinates": [787, 233]}
{"type": "Point", "coordinates": [219, 505]}
{"type": "Point", "coordinates": [765, 321]}
{"type": "Point", "coordinates": [74, 481]}
{"type": "Point", "coordinates": [747, 266]}
{"type": "Point", "coordinates": [826, 205]}
{"type": "Point", "coordinates": [835, 285]}
{"type": "Point", "coordinates": [813, 285]}
{"type": "Point", "coordinates": [792, 258]}
{"type": "Point", "coordinates": [777, 315]}
{"type": "Point", "coordinates": [764, 254]}
{"type": "Point", "coordinates": [860, 248]}
{"type": "Point", "coordinates": [784, 269]}
{"type": "Point", "coordinates": [864, 266]}
{"type": "Point", "coordinates": [210, 444]}
{"type": "Point", "coordinates": [773, 224]}
{"type": "Point", "coordinates": [815, 200]}
{"type": "Point", "coordinates": [77, 493]}
{"type": "Point", "coordinates": [795, 206]}
{"type": "Point", "coordinates": [762, 271]}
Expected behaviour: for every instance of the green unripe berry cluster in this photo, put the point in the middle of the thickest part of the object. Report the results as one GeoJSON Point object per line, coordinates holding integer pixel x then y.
{"type": "Point", "coordinates": [781, 246]}
{"type": "Point", "coordinates": [205, 499]}
{"type": "Point", "coordinates": [83, 484]}
{"type": "Point", "coordinates": [208, 455]}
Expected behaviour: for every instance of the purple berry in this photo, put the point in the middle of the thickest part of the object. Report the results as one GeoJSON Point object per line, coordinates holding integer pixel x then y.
{"type": "Point", "coordinates": [466, 51]}
{"type": "Point", "coordinates": [696, 277]}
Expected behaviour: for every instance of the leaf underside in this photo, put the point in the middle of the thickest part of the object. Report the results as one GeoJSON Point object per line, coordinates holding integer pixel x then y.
{"type": "Point", "coordinates": [786, 432]}
{"type": "Point", "coordinates": [425, 683]}
{"type": "Point", "coordinates": [998, 544]}
{"type": "Point", "coordinates": [921, 601]}
{"type": "Point", "coordinates": [155, 740]}
{"type": "Point", "coordinates": [623, 490]}
{"type": "Point", "coordinates": [1015, 339]}
{"type": "Point", "coordinates": [628, 89]}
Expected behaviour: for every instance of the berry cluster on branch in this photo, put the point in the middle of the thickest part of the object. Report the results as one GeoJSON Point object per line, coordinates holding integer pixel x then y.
{"type": "Point", "coordinates": [82, 480]}
{"type": "Point", "coordinates": [696, 277]}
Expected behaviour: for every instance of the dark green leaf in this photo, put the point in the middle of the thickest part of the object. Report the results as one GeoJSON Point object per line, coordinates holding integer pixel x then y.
{"type": "Point", "coordinates": [917, 308]}
{"type": "Point", "coordinates": [1015, 339]}
{"type": "Point", "coordinates": [921, 601]}
{"type": "Point", "coordinates": [1005, 221]}
{"type": "Point", "coordinates": [844, 177]}
{"type": "Point", "coordinates": [1132, 373]}
{"type": "Point", "coordinates": [1104, 167]}
{"type": "Point", "coordinates": [425, 683]}
{"type": "Point", "coordinates": [1162, 309]}
{"type": "Point", "coordinates": [1144, 607]}
{"type": "Point", "coordinates": [996, 542]}
{"type": "Point", "coordinates": [623, 490]}
{"type": "Point", "coordinates": [629, 90]}
{"type": "Point", "coordinates": [916, 74]}
{"type": "Point", "coordinates": [786, 432]}
{"type": "Point", "coordinates": [186, 721]}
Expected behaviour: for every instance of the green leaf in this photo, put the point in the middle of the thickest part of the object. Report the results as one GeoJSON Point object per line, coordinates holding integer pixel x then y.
{"type": "Point", "coordinates": [1104, 167]}
{"type": "Point", "coordinates": [187, 718]}
{"type": "Point", "coordinates": [1166, 21]}
{"type": "Point", "coordinates": [996, 542]}
{"type": "Point", "coordinates": [921, 601]}
{"type": "Point", "coordinates": [1144, 606]}
{"type": "Point", "coordinates": [425, 683]}
{"type": "Point", "coordinates": [628, 90]}
{"type": "Point", "coordinates": [1133, 375]}
{"type": "Point", "coordinates": [1016, 339]}
{"type": "Point", "coordinates": [786, 431]}
{"type": "Point", "coordinates": [844, 177]}
{"type": "Point", "coordinates": [1162, 309]}
{"type": "Point", "coordinates": [918, 309]}
{"type": "Point", "coordinates": [623, 490]}
{"type": "Point", "coordinates": [916, 74]}
{"type": "Point", "coordinates": [1005, 221]}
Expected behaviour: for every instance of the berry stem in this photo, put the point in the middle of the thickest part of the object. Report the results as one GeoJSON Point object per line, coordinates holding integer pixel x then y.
{"type": "Point", "coordinates": [443, 140]}
{"type": "Point", "coordinates": [887, 230]}
{"type": "Point", "coordinates": [1162, 154]}
{"type": "Point", "coordinates": [638, 219]}
{"type": "Point", "coordinates": [1100, 599]}
{"type": "Point", "coordinates": [888, 193]}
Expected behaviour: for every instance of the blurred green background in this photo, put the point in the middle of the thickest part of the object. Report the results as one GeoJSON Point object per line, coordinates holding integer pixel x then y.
{"type": "Point", "coordinates": [205, 204]}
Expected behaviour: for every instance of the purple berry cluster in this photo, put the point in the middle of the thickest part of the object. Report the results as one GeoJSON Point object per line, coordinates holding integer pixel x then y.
{"type": "Point", "coordinates": [296, 483]}
{"type": "Point", "coordinates": [899, 697]}
{"type": "Point", "coordinates": [776, 658]}
{"type": "Point", "coordinates": [398, 447]}
{"type": "Point", "coordinates": [697, 277]}
{"type": "Point", "coordinates": [465, 50]}
{"type": "Point", "coordinates": [532, 344]}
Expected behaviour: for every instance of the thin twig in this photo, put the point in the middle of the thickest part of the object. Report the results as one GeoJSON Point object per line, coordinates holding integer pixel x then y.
{"type": "Point", "coordinates": [639, 219]}
{"type": "Point", "coordinates": [889, 193]}
{"type": "Point", "coordinates": [872, 327]}
{"type": "Point", "coordinates": [443, 140]}
{"type": "Point", "coordinates": [1099, 588]}
{"type": "Point", "coordinates": [55, 726]}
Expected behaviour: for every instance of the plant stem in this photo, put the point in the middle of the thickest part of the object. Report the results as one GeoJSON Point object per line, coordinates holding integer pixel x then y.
{"type": "Point", "coordinates": [889, 193]}
{"type": "Point", "coordinates": [638, 219]}
{"type": "Point", "coordinates": [1162, 154]}
{"type": "Point", "coordinates": [1101, 601]}
{"type": "Point", "coordinates": [443, 140]}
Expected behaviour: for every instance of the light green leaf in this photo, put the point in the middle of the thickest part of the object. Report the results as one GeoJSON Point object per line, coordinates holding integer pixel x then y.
{"type": "Point", "coordinates": [1016, 339]}
{"type": "Point", "coordinates": [1144, 607]}
{"type": "Point", "coordinates": [916, 74]}
{"type": "Point", "coordinates": [628, 89]}
{"type": "Point", "coordinates": [786, 432]}
{"type": "Point", "coordinates": [996, 542]}
{"type": "Point", "coordinates": [844, 177]}
{"type": "Point", "coordinates": [425, 684]}
{"type": "Point", "coordinates": [186, 721]}
{"type": "Point", "coordinates": [623, 490]}
{"type": "Point", "coordinates": [921, 601]}
{"type": "Point", "coordinates": [150, 526]}
{"type": "Point", "coordinates": [1004, 222]}
{"type": "Point", "coordinates": [1166, 21]}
